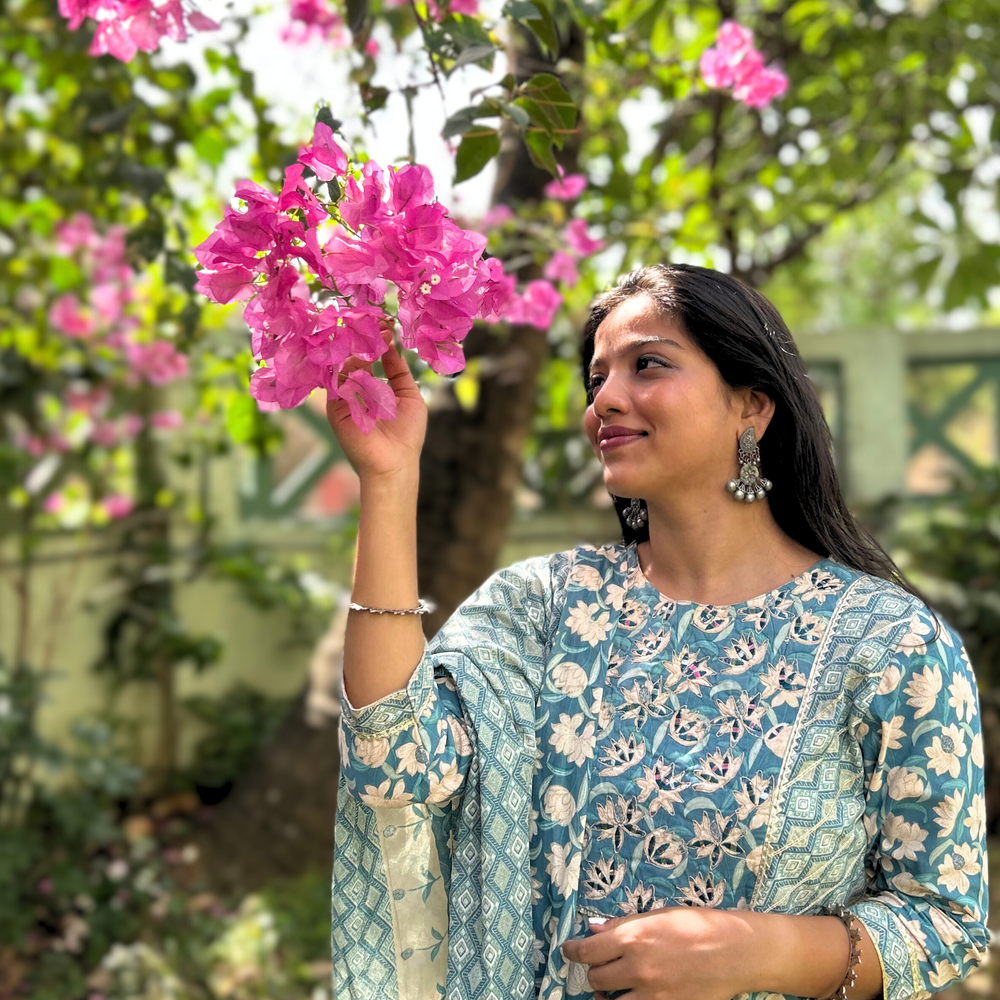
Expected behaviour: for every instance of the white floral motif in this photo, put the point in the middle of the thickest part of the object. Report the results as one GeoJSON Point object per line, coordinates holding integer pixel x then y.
{"type": "Point", "coordinates": [412, 758]}
{"type": "Point", "coordinates": [563, 869]}
{"type": "Point", "coordinates": [643, 699]}
{"type": "Point", "coordinates": [944, 751]}
{"type": "Point", "coordinates": [444, 782]}
{"type": "Point", "coordinates": [710, 619]}
{"type": "Point", "coordinates": [639, 899]}
{"type": "Point", "coordinates": [783, 683]}
{"type": "Point", "coordinates": [817, 585]}
{"type": "Point", "coordinates": [576, 747]}
{"type": "Point", "coordinates": [736, 717]}
{"type": "Point", "coordinates": [589, 622]}
{"type": "Point", "coordinates": [910, 836]}
{"type": "Point", "coordinates": [744, 653]}
{"type": "Point", "coordinates": [962, 699]}
{"type": "Point", "coordinates": [702, 891]}
{"type": "Point", "coordinates": [688, 672]}
{"type": "Point", "coordinates": [586, 576]}
{"type": "Point", "coordinates": [807, 628]}
{"type": "Point", "coordinates": [661, 786]}
{"type": "Point", "coordinates": [603, 877]}
{"type": "Point", "coordinates": [904, 784]}
{"type": "Point", "coordinates": [376, 797]}
{"type": "Point", "coordinates": [958, 866]}
{"type": "Point", "coordinates": [559, 804]}
{"type": "Point", "coordinates": [976, 820]}
{"type": "Point", "coordinates": [622, 753]}
{"type": "Point", "coordinates": [923, 690]}
{"type": "Point", "coordinates": [717, 769]}
{"type": "Point", "coordinates": [948, 810]}
{"type": "Point", "coordinates": [569, 678]}
{"type": "Point", "coordinates": [650, 644]}
{"type": "Point", "coordinates": [371, 752]}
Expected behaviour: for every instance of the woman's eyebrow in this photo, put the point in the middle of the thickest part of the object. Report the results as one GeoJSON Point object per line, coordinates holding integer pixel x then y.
{"type": "Point", "coordinates": [633, 345]}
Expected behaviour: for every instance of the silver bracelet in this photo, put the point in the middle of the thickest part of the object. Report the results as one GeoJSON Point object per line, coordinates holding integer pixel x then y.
{"type": "Point", "coordinates": [423, 608]}
{"type": "Point", "coordinates": [850, 921]}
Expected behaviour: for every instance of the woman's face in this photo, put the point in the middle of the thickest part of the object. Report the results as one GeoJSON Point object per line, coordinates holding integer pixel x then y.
{"type": "Point", "coordinates": [663, 423]}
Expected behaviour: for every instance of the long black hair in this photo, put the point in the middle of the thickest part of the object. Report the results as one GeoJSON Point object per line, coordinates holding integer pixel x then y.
{"type": "Point", "coordinates": [747, 340]}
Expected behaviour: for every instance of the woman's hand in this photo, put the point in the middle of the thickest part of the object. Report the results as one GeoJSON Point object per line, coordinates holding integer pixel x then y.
{"type": "Point", "coordinates": [674, 953]}
{"type": "Point", "coordinates": [393, 446]}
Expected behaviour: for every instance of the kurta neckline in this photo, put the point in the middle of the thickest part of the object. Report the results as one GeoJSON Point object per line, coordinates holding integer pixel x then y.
{"type": "Point", "coordinates": [639, 582]}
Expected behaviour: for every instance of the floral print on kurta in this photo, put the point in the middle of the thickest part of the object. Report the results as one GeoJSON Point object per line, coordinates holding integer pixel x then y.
{"type": "Point", "coordinates": [817, 744]}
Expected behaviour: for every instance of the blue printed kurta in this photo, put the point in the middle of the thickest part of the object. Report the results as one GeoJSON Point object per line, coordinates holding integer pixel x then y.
{"type": "Point", "coordinates": [817, 744]}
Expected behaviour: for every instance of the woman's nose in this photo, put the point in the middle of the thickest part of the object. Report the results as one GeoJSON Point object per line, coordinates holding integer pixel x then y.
{"type": "Point", "coordinates": [611, 396]}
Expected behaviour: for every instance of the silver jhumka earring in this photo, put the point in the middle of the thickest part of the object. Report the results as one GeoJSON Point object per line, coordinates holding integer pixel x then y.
{"type": "Point", "coordinates": [751, 485]}
{"type": "Point", "coordinates": [635, 514]}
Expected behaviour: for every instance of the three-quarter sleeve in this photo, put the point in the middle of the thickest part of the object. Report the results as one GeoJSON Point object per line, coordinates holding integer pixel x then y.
{"type": "Point", "coordinates": [414, 745]}
{"type": "Point", "coordinates": [926, 903]}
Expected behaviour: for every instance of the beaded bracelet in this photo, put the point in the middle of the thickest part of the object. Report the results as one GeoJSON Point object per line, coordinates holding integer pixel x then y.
{"type": "Point", "coordinates": [850, 922]}
{"type": "Point", "coordinates": [423, 608]}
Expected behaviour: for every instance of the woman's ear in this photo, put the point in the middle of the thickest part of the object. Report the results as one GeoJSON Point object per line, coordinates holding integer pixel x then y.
{"type": "Point", "coordinates": [758, 409]}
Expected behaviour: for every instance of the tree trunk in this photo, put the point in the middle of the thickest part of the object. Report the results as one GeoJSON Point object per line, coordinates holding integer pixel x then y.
{"type": "Point", "coordinates": [278, 821]}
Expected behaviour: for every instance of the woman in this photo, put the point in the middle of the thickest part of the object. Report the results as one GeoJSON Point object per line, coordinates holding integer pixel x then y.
{"type": "Point", "coordinates": [706, 737]}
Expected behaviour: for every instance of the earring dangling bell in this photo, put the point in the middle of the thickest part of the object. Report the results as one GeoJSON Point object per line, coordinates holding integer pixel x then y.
{"type": "Point", "coordinates": [750, 486]}
{"type": "Point", "coordinates": [635, 514]}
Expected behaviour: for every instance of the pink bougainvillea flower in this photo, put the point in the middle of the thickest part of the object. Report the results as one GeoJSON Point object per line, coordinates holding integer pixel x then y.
{"type": "Point", "coordinates": [324, 157]}
{"type": "Point", "coordinates": [561, 267]}
{"type": "Point", "coordinates": [313, 19]}
{"type": "Point", "coordinates": [368, 398]}
{"type": "Point", "coordinates": [536, 306]}
{"type": "Point", "coordinates": [166, 420]}
{"type": "Point", "coordinates": [157, 362]}
{"type": "Point", "coordinates": [387, 229]}
{"type": "Point", "coordinates": [579, 240]}
{"type": "Point", "coordinates": [734, 62]}
{"type": "Point", "coordinates": [67, 316]}
{"type": "Point", "coordinates": [112, 38]}
{"type": "Point", "coordinates": [734, 40]}
{"type": "Point", "coordinates": [124, 27]}
{"type": "Point", "coordinates": [762, 88]}
{"type": "Point", "coordinates": [566, 187]}
{"type": "Point", "coordinates": [117, 506]}
{"type": "Point", "coordinates": [497, 216]}
{"type": "Point", "coordinates": [229, 284]}
{"type": "Point", "coordinates": [76, 233]}
{"type": "Point", "coordinates": [54, 502]}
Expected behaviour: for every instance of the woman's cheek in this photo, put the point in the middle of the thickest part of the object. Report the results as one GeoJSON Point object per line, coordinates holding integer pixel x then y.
{"type": "Point", "coordinates": [591, 425]}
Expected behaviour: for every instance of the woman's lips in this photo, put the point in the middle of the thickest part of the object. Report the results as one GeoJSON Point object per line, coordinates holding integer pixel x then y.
{"type": "Point", "coordinates": [619, 441]}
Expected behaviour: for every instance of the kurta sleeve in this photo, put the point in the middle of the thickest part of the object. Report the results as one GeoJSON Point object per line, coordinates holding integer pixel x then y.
{"type": "Point", "coordinates": [414, 745]}
{"type": "Point", "coordinates": [926, 901]}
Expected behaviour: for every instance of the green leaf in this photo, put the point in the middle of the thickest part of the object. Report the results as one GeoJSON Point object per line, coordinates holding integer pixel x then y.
{"type": "Point", "coordinates": [357, 15]}
{"type": "Point", "coordinates": [474, 53]}
{"type": "Point", "coordinates": [462, 121]}
{"type": "Point", "coordinates": [549, 104]}
{"type": "Point", "coordinates": [241, 418]}
{"type": "Point", "coordinates": [374, 97]}
{"type": "Point", "coordinates": [325, 117]}
{"type": "Point", "coordinates": [540, 150]}
{"type": "Point", "coordinates": [474, 153]}
{"type": "Point", "coordinates": [516, 114]}
{"type": "Point", "coordinates": [63, 274]}
{"type": "Point", "coordinates": [545, 30]}
{"type": "Point", "coordinates": [521, 10]}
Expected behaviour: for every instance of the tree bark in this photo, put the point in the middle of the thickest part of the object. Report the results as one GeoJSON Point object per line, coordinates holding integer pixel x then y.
{"type": "Point", "coordinates": [278, 820]}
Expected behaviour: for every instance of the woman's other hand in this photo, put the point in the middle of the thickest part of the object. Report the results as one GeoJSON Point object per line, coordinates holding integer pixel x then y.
{"type": "Point", "coordinates": [666, 954]}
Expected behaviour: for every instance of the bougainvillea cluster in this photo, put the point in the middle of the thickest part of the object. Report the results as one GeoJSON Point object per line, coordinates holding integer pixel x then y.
{"type": "Point", "coordinates": [125, 27]}
{"type": "Point", "coordinates": [734, 63]}
{"type": "Point", "coordinates": [80, 438]}
{"type": "Point", "coordinates": [322, 276]}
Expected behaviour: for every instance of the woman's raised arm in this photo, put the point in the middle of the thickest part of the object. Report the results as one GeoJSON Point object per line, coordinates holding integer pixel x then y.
{"type": "Point", "coordinates": [381, 651]}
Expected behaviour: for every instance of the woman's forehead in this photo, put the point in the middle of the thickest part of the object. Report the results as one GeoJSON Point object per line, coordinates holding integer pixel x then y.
{"type": "Point", "coordinates": [636, 321]}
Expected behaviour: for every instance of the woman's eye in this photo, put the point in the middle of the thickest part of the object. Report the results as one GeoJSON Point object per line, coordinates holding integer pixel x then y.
{"type": "Point", "coordinates": [647, 359]}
